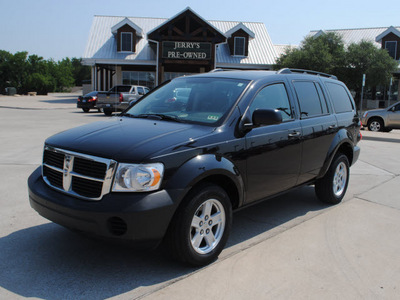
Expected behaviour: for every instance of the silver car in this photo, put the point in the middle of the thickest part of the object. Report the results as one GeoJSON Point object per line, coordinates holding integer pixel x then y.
{"type": "Point", "coordinates": [382, 119]}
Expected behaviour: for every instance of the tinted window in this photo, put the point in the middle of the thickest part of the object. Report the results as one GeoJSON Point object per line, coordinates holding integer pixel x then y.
{"type": "Point", "coordinates": [340, 98]}
{"type": "Point", "coordinates": [191, 99]}
{"type": "Point", "coordinates": [273, 97]}
{"type": "Point", "coordinates": [124, 89]}
{"type": "Point", "coordinates": [311, 104]}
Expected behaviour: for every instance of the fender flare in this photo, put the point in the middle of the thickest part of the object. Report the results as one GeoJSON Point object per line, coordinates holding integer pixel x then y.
{"type": "Point", "coordinates": [342, 140]}
{"type": "Point", "coordinates": [205, 166]}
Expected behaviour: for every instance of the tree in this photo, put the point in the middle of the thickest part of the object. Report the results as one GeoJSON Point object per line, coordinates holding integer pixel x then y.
{"type": "Point", "coordinates": [5, 70]}
{"type": "Point", "coordinates": [33, 73]}
{"type": "Point", "coordinates": [79, 71]}
{"type": "Point", "coordinates": [18, 69]}
{"type": "Point", "coordinates": [325, 53]}
{"type": "Point", "coordinates": [365, 58]}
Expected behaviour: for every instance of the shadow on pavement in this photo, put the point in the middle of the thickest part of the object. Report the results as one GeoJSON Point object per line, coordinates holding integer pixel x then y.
{"type": "Point", "coordinates": [62, 100]}
{"type": "Point", "coordinates": [381, 139]}
{"type": "Point", "coordinates": [50, 262]}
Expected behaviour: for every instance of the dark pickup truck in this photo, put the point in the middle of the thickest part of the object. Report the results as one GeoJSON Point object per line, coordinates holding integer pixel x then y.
{"type": "Point", "coordinates": [175, 165]}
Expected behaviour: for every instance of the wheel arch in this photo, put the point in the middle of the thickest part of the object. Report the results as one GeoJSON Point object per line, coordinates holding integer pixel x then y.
{"type": "Point", "coordinates": [341, 144]}
{"type": "Point", "coordinates": [209, 168]}
{"type": "Point", "coordinates": [380, 118]}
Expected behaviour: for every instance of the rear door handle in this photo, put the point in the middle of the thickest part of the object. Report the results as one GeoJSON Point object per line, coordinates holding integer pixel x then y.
{"type": "Point", "coordinates": [294, 134]}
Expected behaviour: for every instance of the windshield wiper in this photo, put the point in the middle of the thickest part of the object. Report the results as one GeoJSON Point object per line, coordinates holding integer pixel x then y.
{"type": "Point", "coordinates": [160, 117]}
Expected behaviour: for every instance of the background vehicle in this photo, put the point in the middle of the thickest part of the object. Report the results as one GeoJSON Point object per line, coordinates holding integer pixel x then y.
{"type": "Point", "coordinates": [207, 144]}
{"type": "Point", "coordinates": [88, 101]}
{"type": "Point", "coordinates": [382, 119]}
{"type": "Point", "coordinates": [119, 97]}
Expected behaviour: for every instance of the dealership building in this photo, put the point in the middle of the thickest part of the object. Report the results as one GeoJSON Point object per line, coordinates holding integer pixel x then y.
{"type": "Point", "coordinates": [148, 51]}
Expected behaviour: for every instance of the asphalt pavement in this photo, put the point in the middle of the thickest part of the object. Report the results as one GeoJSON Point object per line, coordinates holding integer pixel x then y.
{"type": "Point", "coordinates": [291, 247]}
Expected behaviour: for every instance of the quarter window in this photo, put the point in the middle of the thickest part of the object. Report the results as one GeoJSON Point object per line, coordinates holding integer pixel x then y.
{"type": "Point", "coordinates": [340, 98]}
{"type": "Point", "coordinates": [239, 46]}
{"type": "Point", "coordinates": [273, 97]}
{"type": "Point", "coordinates": [126, 41]}
{"type": "Point", "coordinates": [312, 103]}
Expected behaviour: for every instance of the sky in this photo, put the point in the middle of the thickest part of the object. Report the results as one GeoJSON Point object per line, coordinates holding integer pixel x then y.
{"type": "Point", "coordinates": [55, 29]}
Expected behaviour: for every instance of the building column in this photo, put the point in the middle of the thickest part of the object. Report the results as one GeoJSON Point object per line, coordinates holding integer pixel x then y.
{"type": "Point", "coordinates": [118, 79]}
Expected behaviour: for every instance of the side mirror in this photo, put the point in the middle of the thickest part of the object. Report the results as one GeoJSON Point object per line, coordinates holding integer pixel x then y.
{"type": "Point", "coordinates": [262, 117]}
{"type": "Point", "coordinates": [266, 117]}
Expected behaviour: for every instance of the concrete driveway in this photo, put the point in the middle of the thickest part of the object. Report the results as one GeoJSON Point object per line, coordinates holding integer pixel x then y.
{"type": "Point", "coordinates": [291, 247]}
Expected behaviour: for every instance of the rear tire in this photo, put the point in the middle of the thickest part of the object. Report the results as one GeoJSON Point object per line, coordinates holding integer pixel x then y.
{"type": "Point", "coordinates": [86, 110]}
{"type": "Point", "coordinates": [333, 186]}
{"type": "Point", "coordinates": [201, 226]}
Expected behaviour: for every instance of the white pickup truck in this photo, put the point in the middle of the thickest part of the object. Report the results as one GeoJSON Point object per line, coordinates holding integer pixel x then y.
{"type": "Point", "coordinates": [119, 97]}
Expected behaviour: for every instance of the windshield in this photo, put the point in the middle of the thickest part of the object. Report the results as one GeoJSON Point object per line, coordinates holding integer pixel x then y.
{"type": "Point", "coordinates": [191, 99]}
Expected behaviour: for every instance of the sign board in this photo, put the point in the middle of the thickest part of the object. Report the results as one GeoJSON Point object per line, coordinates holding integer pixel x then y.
{"type": "Point", "coordinates": [186, 50]}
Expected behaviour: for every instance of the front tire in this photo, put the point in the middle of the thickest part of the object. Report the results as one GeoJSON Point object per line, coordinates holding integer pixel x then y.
{"type": "Point", "coordinates": [201, 226]}
{"type": "Point", "coordinates": [375, 125]}
{"type": "Point", "coordinates": [333, 186]}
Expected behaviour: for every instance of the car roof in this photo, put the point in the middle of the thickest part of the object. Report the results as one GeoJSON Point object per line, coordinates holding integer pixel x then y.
{"type": "Point", "coordinates": [260, 74]}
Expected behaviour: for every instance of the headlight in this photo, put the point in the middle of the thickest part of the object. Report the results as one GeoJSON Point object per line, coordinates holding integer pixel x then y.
{"type": "Point", "coordinates": [138, 178]}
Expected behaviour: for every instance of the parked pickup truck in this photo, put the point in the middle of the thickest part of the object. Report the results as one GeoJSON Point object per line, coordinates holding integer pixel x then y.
{"type": "Point", "coordinates": [119, 97]}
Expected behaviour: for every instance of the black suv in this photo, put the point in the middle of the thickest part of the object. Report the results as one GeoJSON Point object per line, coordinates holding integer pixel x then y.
{"type": "Point", "coordinates": [174, 165]}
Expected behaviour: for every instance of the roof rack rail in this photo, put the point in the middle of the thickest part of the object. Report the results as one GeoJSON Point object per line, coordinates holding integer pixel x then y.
{"type": "Point", "coordinates": [290, 71]}
{"type": "Point", "coordinates": [221, 70]}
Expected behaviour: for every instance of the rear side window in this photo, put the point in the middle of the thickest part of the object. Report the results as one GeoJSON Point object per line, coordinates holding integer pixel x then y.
{"type": "Point", "coordinates": [340, 98]}
{"type": "Point", "coordinates": [311, 100]}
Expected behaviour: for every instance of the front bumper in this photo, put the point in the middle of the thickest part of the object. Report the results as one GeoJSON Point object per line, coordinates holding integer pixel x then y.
{"type": "Point", "coordinates": [364, 121]}
{"type": "Point", "coordinates": [139, 217]}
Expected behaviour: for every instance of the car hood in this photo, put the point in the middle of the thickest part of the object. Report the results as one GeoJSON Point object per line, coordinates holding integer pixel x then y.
{"type": "Point", "coordinates": [376, 111]}
{"type": "Point", "coordinates": [127, 139]}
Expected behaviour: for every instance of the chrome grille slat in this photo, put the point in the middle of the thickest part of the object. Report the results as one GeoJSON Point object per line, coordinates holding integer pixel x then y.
{"type": "Point", "coordinates": [80, 175]}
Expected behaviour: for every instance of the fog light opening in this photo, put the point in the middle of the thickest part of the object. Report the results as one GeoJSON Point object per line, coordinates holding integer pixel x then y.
{"type": "Point", "coordinates": [117, 226]}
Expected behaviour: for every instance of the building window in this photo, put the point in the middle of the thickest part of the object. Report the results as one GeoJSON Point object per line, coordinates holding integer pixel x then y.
{"type": "Point", "coordinates": [139, 78]}
{"type": "Point", "coordinates": [126, 41]}
{"type": "Point", "coordinates": [391, 47]}
{"type": "Point", "coordinates": [239, 46]}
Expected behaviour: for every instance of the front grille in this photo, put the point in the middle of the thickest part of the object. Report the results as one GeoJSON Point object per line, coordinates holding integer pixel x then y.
{"type": "Point", "coordinates": [54, 177]}
{"type": "Point", "coordinates": [80, 175]}
{"type": "Point", "coordinates": [90, 168]}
